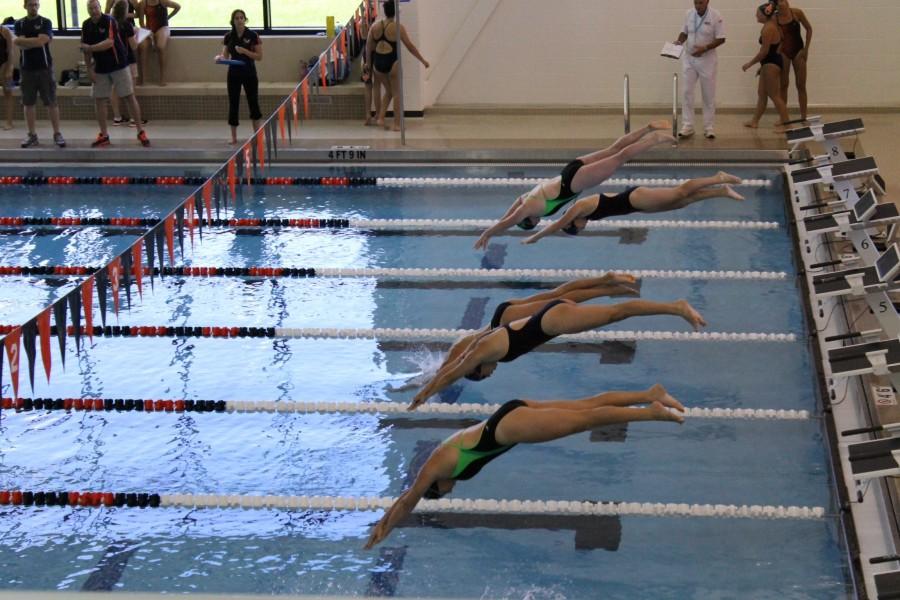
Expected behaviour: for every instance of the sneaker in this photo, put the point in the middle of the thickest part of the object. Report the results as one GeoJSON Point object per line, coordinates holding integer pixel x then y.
{"type": "Point", "coordinates": [686, 132]}
{"type": "Point", "coordinates": [142, 138]}
{"type": "Point", "coordinates": [59, 140]}
{"type": "Point", "coordinates": [709, 134]}
{"type": "Point", "coordinates": [30, 141]}
{"type": "Point", "coordinates": [132, 123]}
{"type": "Point", "coordinates": [102, 140]}
{"type": "Point", "coordinates": [118, 121]}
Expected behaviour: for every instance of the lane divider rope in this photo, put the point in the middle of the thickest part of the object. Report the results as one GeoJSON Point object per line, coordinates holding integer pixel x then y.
{"type": "Point", "coordinates": [440, 225]}
{"type": "Point", "coordinates": [441, 274]}
{"type": "Point", "coordinates": [92, 499]}
{"type": "Point", "coordinates": [405, 335]}
{"type": "Point", "coordinates": [522, 181]}
{"type": "Point", "coordinates": [259, 406]}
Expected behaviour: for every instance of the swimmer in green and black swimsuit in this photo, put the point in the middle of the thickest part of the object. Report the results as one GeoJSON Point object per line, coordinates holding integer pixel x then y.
{"type": "Point", "coordinates": [549, 196]}
{"type": "Point", "coordinates": [466, 452]}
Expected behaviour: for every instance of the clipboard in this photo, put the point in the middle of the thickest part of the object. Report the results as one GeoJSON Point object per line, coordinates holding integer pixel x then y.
{"type": "Point", "coordinates": [670, 50]}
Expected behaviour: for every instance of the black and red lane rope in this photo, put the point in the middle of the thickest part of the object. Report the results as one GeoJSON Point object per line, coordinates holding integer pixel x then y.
{"type": "Point", "coordinates": [179, 180]}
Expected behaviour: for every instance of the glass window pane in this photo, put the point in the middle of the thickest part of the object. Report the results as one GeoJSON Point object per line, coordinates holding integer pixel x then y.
{"type": "Point", "coordinates": [311, 13]}
{"type": "Point", "coordinates": [210, 13]}
{"type": "Point", "coordinates": [13, 8]}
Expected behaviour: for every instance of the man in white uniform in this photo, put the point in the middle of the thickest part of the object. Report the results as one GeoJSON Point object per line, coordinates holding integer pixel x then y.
{"type": "Point", "coordinates": [704, 31]}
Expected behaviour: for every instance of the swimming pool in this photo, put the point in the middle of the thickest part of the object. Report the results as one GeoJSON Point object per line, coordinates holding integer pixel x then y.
{"type": "Point", "coordinates": [715, 461]}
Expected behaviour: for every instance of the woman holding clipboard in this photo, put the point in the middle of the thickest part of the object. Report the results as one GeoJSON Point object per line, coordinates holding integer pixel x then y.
{"type": "Point", "coordinates": [242, 48]}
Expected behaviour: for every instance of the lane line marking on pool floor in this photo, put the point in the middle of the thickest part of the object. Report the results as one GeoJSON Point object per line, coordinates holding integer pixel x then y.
{"type": "Point", "coordinates": [23, 405]}
{"type": "Point", "coordinates": [522, 181]}
{"type": "Point", "coordinates": [97, 499]}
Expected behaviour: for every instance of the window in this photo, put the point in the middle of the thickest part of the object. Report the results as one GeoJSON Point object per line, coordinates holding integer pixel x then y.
{"type": "Point", "coordinates": [309, 13]}
{"type": "Point", "coordinates": [208, 14]}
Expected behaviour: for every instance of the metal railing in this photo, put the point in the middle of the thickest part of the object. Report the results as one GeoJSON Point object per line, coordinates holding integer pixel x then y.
{"type": "Point", "coordinates": [627, 107]}
{"type": "Point", "coordinates": [675, 105]}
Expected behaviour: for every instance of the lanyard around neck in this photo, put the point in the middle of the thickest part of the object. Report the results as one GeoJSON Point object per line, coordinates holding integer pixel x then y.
{"type": "Point", "coordinates": [697, 26]}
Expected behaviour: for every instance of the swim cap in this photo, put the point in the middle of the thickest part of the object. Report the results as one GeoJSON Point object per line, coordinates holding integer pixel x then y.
{"type": "Point", "coordinates": [571, 228]}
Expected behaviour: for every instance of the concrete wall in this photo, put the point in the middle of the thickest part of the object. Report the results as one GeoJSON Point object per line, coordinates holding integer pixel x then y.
{"type": "Point", "coordinates": [575, 52]}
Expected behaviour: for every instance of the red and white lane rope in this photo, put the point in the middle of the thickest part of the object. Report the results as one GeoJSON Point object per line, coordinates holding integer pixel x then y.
{"type": "Point", "coordinates": [93, 499]}
{"type": "Point", "coordinates": [439, 274]}
{"type": "Point", "coordinates": [526, 181]}
{"type": "Point", "coordinates": [258, 406]}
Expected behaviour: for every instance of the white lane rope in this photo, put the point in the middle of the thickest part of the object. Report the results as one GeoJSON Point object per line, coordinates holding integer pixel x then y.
{"type": "Point", "coordinates": [481, 224]}
{"type": "Point", "coordinates": [491, 506]}
{"type": "Point", "coordinates": [451, 335]}
{"type": "Point", "coordinates": [242, 406]}
{"type": "Point", "coordinates": [444, 274]}
{"type": "Point", "coordinates": [526, 181]}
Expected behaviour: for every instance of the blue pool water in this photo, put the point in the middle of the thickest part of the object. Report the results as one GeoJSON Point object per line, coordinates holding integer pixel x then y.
{"type": "Point", "coordinates": [281, 553]}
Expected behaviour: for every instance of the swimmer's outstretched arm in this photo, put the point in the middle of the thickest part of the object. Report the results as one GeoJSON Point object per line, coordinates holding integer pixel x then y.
{"type": "Point", "coordinates": [451, 372]}
{"type": "Point", "coordinates": [580, 209]}
{"type": "Point", "coordinates": [405, 504]}
{"type": "Point", "coordinates": [516, 213]}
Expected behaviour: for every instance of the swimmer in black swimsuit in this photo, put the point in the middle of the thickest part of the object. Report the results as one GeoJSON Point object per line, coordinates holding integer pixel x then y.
{"type": "Point", "coordinates": [770, 62]}
{"type": "Point", "coordinates": [559, 317]}
{"type": "Point", "coordinates": [466, 452]}
{"type": "Point", "coordinates": [579, 290]}
{"type": "Point", "coordinates": [641, 199]}
{"type": "Point", "coordinates": [382, 54]}
{"type": "Point", "coordinates": [549, 196]}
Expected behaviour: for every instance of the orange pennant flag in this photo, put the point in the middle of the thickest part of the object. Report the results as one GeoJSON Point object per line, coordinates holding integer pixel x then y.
{"type": "Point", "coordinates": [261, 148]}
{"type": "Point", "coordinates": [232, 178]}
{"type": "Point", "coordinates": [191, 208]}
{"type": "Point", "coordinates": [115, 272]}
{"type": "Point", "coordinates": [12, 354]}
{"type": "Point", "coordinates": [137, 266]}
{"type": "Point", "coordinates": [169, 226]}
{"type": "Point", "coordinates": [43, 324]}
{"type": "Point", "coordinates": [294, 107]}
{"type": "Point", "coordinates": [323, 76]}
{"type": "Point", "coordinates": [207, 200]}
{"type": "Point", "coordinates": [87, 303]}
{"type": "Point", "coordinates": [344, 42]}
{"type": "Point", "coordinates": [305, 89]}
{"type": "Point", "coordinates": [282, 128]}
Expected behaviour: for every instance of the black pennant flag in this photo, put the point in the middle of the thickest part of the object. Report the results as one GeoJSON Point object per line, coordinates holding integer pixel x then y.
{"type": "Point", "coordinates": [74, 299]}
{"type": "Point", "coordinates": [102, 278]}
{"type": "Point", "coordinates": [159, 234]}
{"type": "Point", "coordinates": [29, 335]}
{"type": "Point", "coordinates": [179, 227]}
{"type": "Point", "coordinates": [275, 131]}
{"type": "Point", "coordinates": [289, 126]}
{"type": "Point", "coordinates": [253, 158]}
{"type": "Point", "coordinates": [127, 263]}
{"type": "Point", "coordinates": [59, 317]}
{"type": "Point", "coordinates": [151, 258]}
{"type": "Point", "coordinates": [217, 195]}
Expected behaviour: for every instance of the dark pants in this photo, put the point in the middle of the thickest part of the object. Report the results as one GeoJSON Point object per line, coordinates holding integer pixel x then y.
{"type": "Point", "coordinates": [237, 77]}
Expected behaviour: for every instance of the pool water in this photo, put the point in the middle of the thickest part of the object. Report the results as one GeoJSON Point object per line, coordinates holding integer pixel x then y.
{"type": "Point", "coordinates": [742, 462]}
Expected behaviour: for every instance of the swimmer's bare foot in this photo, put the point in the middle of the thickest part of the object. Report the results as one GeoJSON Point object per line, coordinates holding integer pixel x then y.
{"type": "Point", "coordinates": [751, 124]}
{"type": "Point", "coordinates": [7, 126]}
{"type": "Point", "coordinates": [659, 137]}
{"type": "Point", "coordinates": [730, 193]}
{"type": "Point", "coordinates": [687, 312]}
{"type": "Point", "coordinates": [368, 123]}
{"type": "Point", "coordinates": [660, 124]}
{"type": "Point", "coordinates": [379, 123]}
{"type": "Point", "coordinates": [661, 413]}
{"type": "Point", "coordinates": [396, 127]}
{"type": "Point", "coordinates": [658, 393]}
{"type": "Point", "coordinates": [728, 178]}
{"type": "Point", "coordinates": [232, 142]}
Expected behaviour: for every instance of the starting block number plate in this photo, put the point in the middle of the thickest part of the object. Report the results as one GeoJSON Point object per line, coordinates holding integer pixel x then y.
{"type": "Point", "coordinates": [884, 395]}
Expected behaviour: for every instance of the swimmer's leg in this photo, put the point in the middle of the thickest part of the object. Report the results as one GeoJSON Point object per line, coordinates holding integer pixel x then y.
{"type": "Point", "coordinates": [648, 199]}
{"type": "Point", "coordinates": [528, 425]}
{"type": "Point", "coordinates": [657, 393]}
{"type": "Point", "coordinates": [625, 141]}
{"type": "Point", "coordinates": [598, 171]}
